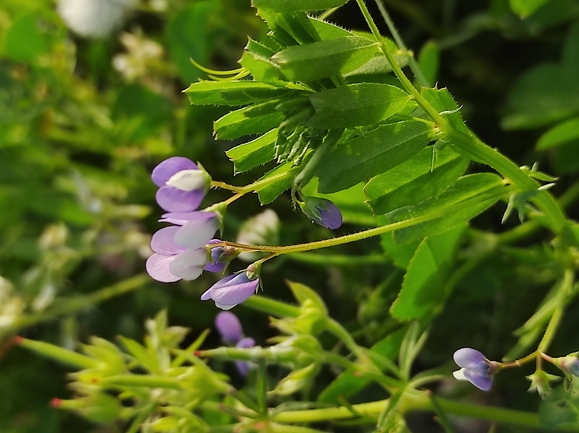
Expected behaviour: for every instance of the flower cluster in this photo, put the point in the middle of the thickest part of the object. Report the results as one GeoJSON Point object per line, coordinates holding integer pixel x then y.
{"type": "Point", "coordinates": [181, 250]}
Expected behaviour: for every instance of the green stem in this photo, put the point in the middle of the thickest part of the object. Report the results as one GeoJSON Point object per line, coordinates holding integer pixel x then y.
{"type": "Point", "coordinates": [457, 207]}
{"type": "Point", "coordinates": [57, 353]}
{"type": "Point", "coordinates": [412, 62]}
{"type": "Point", "coordinates": [412, 402]}
{"type": "Point", "coordinates": [319, 259]}
{"type": "Point", "coordinates": [270, 306]}
{"type": "Point", "coordinates": [558, 313]}
{"type": "Point", "coordinates": [74, 305]}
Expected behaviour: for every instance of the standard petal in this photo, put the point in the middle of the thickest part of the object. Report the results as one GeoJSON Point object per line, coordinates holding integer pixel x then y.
{"type": "Point", "coordinates": [158, 268]}
{"type": "Point", "coordinates": [229, 328]}
{"type": "Point", "coordinates": [235, 291]}
{"type": "Point", "coordinates": [174, 200]}
{"type": "Point", "coordinates": [469, 358]}
{"type": "Point", "coordinates": [166, 169]}
{"type": "Point", "coordinates": [198, 233]}
{"type": "Point", "coordinates": [188, 264]}
{"type": "Point", "coordinates": [331, 217]}
{"type": "Point", "coordinates": [162, 241]}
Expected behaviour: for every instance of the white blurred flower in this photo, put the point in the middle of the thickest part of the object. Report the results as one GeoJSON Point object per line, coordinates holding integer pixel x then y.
{"type": "Point", "coordinates": [262, 229]}
{"type": "Point", "coordinates": [94, 18]}
{"type": "Point", "coordinates": [141, 52]}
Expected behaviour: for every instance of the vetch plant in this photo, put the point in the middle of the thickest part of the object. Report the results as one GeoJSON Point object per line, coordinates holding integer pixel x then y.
{"type": "Point", "coordinates": [349, 127]}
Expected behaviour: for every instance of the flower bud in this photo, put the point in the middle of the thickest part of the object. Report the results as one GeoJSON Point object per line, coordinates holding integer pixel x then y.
{"type": "Point", "coordinates": [321, 211]}
{"type": "Point", "coordinates": [98, 407]}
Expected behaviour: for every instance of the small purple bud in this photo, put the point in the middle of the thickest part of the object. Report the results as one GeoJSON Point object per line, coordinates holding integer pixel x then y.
{"type": "Point", "coordinates": [569, 364]}
{"type": "Point", "coordinates": [475, 368]}
{"type": "Point", "coordinates": [215, 263]}
{"type": "Point", "coordinates": [231, 290]}
{"type": "Point", "coordinates": [322, 211]}
{"type": "Point", "coordinates": [243, 366]}
{"type": "Point", "coordinates": [229, 328]}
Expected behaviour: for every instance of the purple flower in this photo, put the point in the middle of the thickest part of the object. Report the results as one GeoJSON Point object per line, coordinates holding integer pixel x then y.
{"type": "Point", "coordinates": [322, 211]}
{"type": "Point", "coordinates": [569, 364]}
{"type": "Point", "coordinates": [182, 184]}
{"type": "Point", "coordinates": [243, 366]}
{"type": "Point", "coordinates": [229, 328]}
{"type": "Point", "coordinates": [172, 262]}
{"type": "Point", "coordinates": [475, 368]}
{"type": "Point", "coordinates": [231, 290]}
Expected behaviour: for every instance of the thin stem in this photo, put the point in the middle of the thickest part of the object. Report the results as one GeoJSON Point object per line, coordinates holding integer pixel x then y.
{"type": "Point", "coordinates": [365, 234]}
{"type": "Point", "coordinates": [558, 313]}
{"type": "Point", "coordinates": [412, 62]}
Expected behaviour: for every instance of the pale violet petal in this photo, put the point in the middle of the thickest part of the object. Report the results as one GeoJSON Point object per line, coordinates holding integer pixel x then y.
{"type": "Point", "coordinates": [163, 172]}
{"type": "Point", "coordinates": [158, 268]}
{"type": "Point", "coordinates": [162, 241]}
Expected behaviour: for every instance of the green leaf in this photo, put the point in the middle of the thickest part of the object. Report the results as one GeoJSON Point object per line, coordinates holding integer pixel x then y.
{"type": "Point", "coordinates": [429, 60]}
{"type": "Point", "coordinates": [185, 44]}
{"type": "Point", "coordinates": [232, 93]}
{"type": "Point", "coordinates": [262, 69]}
{"type": "Point", "coordinates": [257, 152]}
{"type": "Point", "coordinates": [524, 8]}
{"type": "Point", "coordinates": [563, 133]}
{"type": "Point", "coordinates": [325, 58]}
{"type": "Point", "coordinates": [254, 119]}
{"type": "Point", "coordinates": [541, 97]}
{"type": "Point", "coordinates": [414, 180]}
{"type": "Point", "coordinates": [297, 5]}
{"type": "Point", "coordinates": [31, 36]}
{"type": "Point", "coordinates": [560, 408]}
{"type": "Point", "coordinates": [356, 105]}
{"type": "Point", "coordinates": [401, 254]}
{"type": "Point", "coordinates": [141, 354]}
{"type": "Point", "coordinates": [372, 153]}
{"type": "Point", "coordinates": [423, 287]}
{"type": "Point", "coordinates": [328, 30]}
{"type": "Point", "coordinates": [281, 179]}
{"type": "Point", "coordinates": [463, 200]}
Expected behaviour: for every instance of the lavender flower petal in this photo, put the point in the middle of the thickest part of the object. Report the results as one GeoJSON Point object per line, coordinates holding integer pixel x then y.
{"type": "Point", "coordinates": [229, 327]}
{"type": "Point", "coordinates": [174, 200]}
{"type": "Point", "coordinates": [231, 290]}
{"type": "Point", "coordinates": [469, 358]}
{"type": "Point", "coordinates": [479, 379]}
{"type": "Point", "coordinates": [158, 268]}
{"type": "Point", "coordinates": [162, 241]}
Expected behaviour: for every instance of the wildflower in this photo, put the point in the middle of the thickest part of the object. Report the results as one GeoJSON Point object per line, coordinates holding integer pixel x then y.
{"type": "Point", "coordinates": [321, 211]}
{"type": "Point", "coordinates": [94, 19]}
{"type": "Point", "coordinates": [229, 327]}
{"type": "Point", "coordinates": [231, 290]}
{"type": "Point", "coordinates": [182, 184]}
{"type": "Point", "coordinates": [475, 368]}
